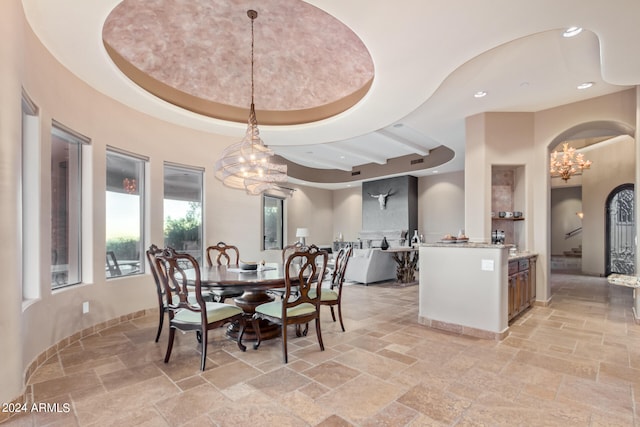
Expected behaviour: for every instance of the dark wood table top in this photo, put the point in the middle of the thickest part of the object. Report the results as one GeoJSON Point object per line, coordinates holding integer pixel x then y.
{"type": "Point", "coordinates": [225, 277]}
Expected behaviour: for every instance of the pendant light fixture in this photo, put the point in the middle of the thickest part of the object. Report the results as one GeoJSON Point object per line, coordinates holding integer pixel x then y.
{"type": "Point", "coordinates": [249, 164]}
{"type": "Point", "coordinates": [567, 163]}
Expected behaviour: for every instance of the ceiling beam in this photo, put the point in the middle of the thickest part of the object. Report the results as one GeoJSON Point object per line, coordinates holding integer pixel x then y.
{"type": "Point", "coordinates": [368, 157]}
{"type": "Point", "coordinates": [417, 148]}
{"type": "Point", "coordinates": [312, 160]}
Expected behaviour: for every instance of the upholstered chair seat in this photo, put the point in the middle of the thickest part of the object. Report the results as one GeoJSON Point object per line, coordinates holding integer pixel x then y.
{"type": "Point", "coordinates": [304, 269]}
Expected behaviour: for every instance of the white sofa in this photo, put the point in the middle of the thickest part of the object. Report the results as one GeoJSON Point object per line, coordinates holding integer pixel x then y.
{"type": "Point", "coordinates": [370, 266]}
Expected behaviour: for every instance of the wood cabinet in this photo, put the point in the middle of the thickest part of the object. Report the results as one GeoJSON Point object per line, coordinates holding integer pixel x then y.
{"type": "Point", "coordinates": [522, 285]}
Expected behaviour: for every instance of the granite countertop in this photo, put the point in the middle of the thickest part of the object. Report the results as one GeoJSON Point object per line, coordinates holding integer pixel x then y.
{"type": "Point", "coordinates": [485, 245]}
{"type": "Point", "coordinates": [521, 255]}
{"type": "Point", "coordinates": [455, 244]}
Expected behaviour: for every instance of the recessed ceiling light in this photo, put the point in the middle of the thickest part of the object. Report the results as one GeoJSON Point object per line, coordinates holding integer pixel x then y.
{"type": "Point", "coordinates": [585, 85]}
{"type": "Point", "coordinates": [342, 157]}
{"type": "Point", "coordinates": [572, 32]}
{"type": "Point", "coordinates": [480, 94]}
{"type": "Point", "coordinates": [435, 172]}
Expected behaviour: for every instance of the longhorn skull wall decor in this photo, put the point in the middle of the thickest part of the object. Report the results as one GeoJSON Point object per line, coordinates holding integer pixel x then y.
{"type": "Point", "coordinates": [382, 198]}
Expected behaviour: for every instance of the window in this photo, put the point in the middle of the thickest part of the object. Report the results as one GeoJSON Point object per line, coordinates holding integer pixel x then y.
{"type": "Point", "coordinates": [30, 203]}
{"type": "Point", "coordinates": [124, 214]}
{"type": "Point", "coordinates": [272, 222]}
{"type": "Point", "coordinates": [66, 202]}
{"type": "Point", "coordinates": [183, 209]}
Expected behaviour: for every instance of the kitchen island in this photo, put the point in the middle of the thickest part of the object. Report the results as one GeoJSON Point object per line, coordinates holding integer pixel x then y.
{"type": "Point", "coordinates": [467, 288]}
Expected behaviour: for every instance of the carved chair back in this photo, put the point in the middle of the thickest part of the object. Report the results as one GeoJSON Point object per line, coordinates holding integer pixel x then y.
{"type": "Point", "coordinates": [223, 253]}
{"type": "Point", "coordinates": [180, 274]}
{"type": "Point", "coordinates": [304, 269]}
{"type": "Point", "coordinates": [289, 249]}
{"type": "Point", "coordinates": [337, 278]}
{"type": "Point", "coordinates": [152, 252]}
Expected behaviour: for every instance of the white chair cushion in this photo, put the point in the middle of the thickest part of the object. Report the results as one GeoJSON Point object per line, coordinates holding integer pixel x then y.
{"type": "Point", "coordinates": [274, 309]}
{"type": "Point", "coordinates": [215, 311]}
{"type": "Point", "coordinates": [325, 295]}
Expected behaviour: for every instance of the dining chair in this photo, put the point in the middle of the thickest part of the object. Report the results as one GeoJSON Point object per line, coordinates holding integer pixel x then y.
{"type": "Point", "coordinates": [286, 252]}
{"type": "Point", "coordinates": [152, 253]}
{"type": "Point", "coordinates": [179, 272]}
{"type": "Point", "coordinates": [305, 268]}
{"type": "Point", "coordinates": [224, 255]}
{"type": "Point", "coordinates": [332, 296]}
{"type": "Point", "coordinates": [290, 249]}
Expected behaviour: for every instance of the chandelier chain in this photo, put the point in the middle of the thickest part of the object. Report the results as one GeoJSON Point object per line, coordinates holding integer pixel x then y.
{"type": "Point", "coordinates": [253, 15]}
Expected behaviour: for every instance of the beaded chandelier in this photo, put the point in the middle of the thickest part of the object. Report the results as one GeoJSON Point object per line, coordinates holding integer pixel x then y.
{"type": "Point", "coordinates": [249, 164]}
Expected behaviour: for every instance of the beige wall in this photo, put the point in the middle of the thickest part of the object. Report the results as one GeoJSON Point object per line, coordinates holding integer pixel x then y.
{"type": "Point", "coordinates": [477, 178]}
{"type": "Point", "coordinates": [618, 108]}
{"type": "Point", "coordinates": [525, 139]}
{"type": "Point", "coordinates": [565, 203]}
{"type": "Point", "coordinates": [28, 329]}
{"type": "Point", "coordinates": [347, 213]}
{"type": "Point", "coordinates": [11, 326]}
{"type": "Point", "coordinates": [613, 165]}
{"type": "Point", "coordinates": [230, 215]}
{"type": "Point", "coordinates": [441, 205]}
{"type": "Point", "coordinates": [311, 208]}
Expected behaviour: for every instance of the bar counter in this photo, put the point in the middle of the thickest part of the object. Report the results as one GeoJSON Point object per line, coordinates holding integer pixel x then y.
{"type": "Point", "coordinates": [464, 287]}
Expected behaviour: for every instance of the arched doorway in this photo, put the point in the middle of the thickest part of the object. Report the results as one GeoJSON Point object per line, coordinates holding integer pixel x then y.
{"type": "Point", "coordinates": [620, 232]}
{"type": "Point", "coordinates": [591, 138]}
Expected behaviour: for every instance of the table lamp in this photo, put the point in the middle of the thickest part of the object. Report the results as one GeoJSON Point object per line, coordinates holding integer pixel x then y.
{"type": "Point", "coordinates": [302, 233]}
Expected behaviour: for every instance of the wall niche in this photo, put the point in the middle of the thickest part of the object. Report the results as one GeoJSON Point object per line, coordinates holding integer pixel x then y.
{"type": "Point", "coordinates": [507, 195]}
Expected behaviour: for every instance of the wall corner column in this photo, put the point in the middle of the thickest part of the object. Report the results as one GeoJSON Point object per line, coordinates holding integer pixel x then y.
{"type": "Point", "coordinates": [11, 352]}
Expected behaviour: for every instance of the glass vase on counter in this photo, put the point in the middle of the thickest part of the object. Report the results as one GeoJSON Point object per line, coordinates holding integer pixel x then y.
{"type": "Point", "coordinates": [415, 239]}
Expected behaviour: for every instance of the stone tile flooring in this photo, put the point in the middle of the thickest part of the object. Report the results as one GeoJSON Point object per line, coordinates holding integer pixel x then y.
{"type": "Point", "coordinates": [575, 363]}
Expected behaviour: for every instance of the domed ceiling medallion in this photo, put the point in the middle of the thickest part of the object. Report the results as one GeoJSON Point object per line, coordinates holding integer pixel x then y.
{"type": "Point", "coordinates": [194, 54]}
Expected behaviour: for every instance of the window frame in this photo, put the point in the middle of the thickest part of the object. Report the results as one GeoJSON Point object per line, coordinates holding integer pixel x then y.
{"type": "Point", "coordinates": [80, 141]}
{"type": "Point", "coordinates": [142, 162]}
{"type": "Point", "coordinates": [279, 233]}
{"type": "Point", "coordinates": [185, 169]}
{"type": "Point", "coordinates": [30, 192]}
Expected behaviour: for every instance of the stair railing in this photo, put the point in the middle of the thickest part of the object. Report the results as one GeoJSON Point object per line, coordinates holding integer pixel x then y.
{"type": "Point", "coordinates": [573, 232]}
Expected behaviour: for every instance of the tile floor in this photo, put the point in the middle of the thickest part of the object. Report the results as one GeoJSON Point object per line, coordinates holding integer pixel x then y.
{"type": "Point", "coordinates": [575, 363]}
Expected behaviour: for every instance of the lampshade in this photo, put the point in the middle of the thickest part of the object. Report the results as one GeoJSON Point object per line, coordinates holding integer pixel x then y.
{"type": "Point", "coordinates": [248, 164]}
{"type": "Point", "coordinates": [302, 232]}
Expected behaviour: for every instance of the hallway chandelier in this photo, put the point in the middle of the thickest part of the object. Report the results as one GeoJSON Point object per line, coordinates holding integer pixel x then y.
{"type": "Point", "coordinates": [567, 163]}
{"type": "Point", "coordinates": [248, 164]}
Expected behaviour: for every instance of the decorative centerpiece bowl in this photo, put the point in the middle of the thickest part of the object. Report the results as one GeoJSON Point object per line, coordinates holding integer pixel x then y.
{"type": "Point", "coordinates": [246, 265]}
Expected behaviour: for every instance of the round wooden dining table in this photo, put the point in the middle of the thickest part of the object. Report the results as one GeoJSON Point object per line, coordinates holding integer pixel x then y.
{"type": "Point", "coordinates": [255, 285]}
